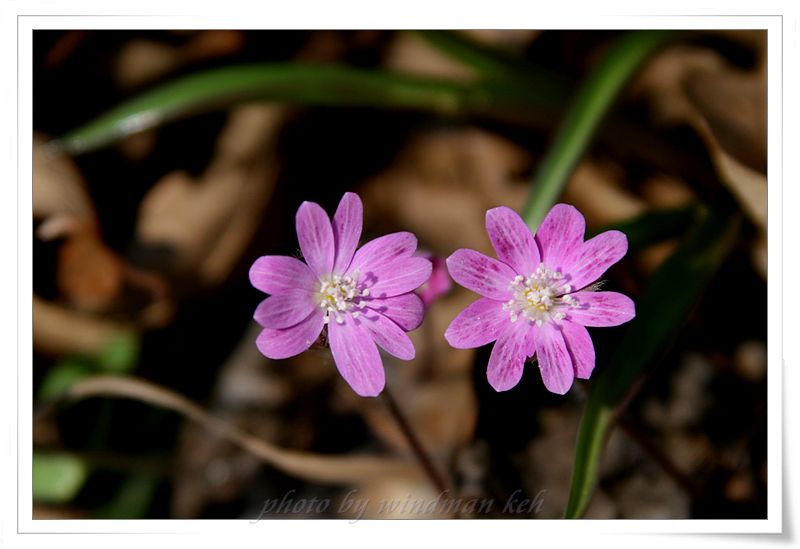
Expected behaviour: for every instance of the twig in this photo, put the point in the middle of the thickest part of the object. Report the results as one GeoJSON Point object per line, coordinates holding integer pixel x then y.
{"type": "Point", "coordinates": [413, 441]}
{"type": "Point", "coordinates": [307, 465]}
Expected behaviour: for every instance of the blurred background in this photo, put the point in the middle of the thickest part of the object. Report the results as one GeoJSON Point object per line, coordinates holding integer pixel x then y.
{"type": "Point", "coordinates": [143, 241]}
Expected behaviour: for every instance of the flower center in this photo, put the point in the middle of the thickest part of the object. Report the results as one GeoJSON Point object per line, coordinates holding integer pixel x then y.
{"type": "Point", "coordinates": [339, 295]}
{"type": "Point", "coordinates": [538, 297]}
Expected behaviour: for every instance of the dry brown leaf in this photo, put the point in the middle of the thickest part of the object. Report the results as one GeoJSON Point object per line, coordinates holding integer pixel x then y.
{"type": "Point", "coordinates": [59, 331]}
{"type": "Point", "coordinates": [208, 223]}
{"type": "Point", "coordinates": [409, 53]}
{"type": "Point", "coordinates": [59, 189]}
{"type": "Point", "coordinates": [143, 60]}
{"type": "Point", "coordinates": [595, 189]}
{"type": "Point", "coordinates": [727, 108]}
{"type": "Point", "coordinates": [448, 178]}
{"type": "Point", "coordinates": [514, 39]}
{"type": "Point", "coordinates": [89, 274]}
{"type": "Point", "coordinates": [663, 191]}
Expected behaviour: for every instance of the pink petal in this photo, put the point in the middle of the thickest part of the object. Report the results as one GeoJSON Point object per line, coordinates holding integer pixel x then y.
{"type": "Point", "coordinates": [512, 240]}
{"type": "Point", "coordinates": [507, 360]}
{"type": "Point", "coordinates": [274, 274]}
{"type": "Point", "coordinates": [315, 235]}
{"type": "Point", "coordinates": [479, 273]}
{"type": "Point", "coordinates": [555, 362]}
{"type": "Point", "coordinates": [601, 309]}
{"type": "Point", "coordinates": [479, 324]}
{"type": "Point", "coordinates": [592, 258]}
{"type": "Point", "coordinates": [292, 341]}
{"type": "Point", "coordinates": [406, 310]}
{"type": "Point", "coordinates": [347, 230]}
{"type": "Point", "coordinates": [396, 277]}
{"type": "Point", "coordinates": [388, 335]}
{"type": "Point", "coordinates": [285, 309]}
{"type": "Point", "coordinates": [357, 357]}
{"type": "Point", "coordinates": [384, 249]}
{"type": "Point", "coordinates": [581, 348]}
{"type": "Point", "coordinates": [559, 235]}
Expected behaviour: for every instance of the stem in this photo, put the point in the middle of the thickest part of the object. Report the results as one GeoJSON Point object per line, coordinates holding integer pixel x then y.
{"type": "Point", "coordinates": [413, 441]}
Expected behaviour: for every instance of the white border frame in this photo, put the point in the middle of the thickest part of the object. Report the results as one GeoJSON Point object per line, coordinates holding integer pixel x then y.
{"type": "Point", "coordinates": [329, 16]}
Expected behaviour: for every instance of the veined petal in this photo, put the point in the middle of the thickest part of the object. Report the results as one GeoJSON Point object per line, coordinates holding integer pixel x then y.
{"type": "Point", "coordinates": [406, 310]}
{"type": "Point", "coordinates": [357, 357]}
{"type": "Point", "coordinates": [388, 335]}
{"type": "Point", "coordinates": [480, 323]}
{"type": "Point", "coordinates": [291, 341]}
{"type": "Point", "coordinates": [592, 258]}
{"type": "Point", "coordinates": [347, 230]}
{"type": "Point", "coordinates": [479, 273]}
{"type": "Point", "coordinates": [512, 240]}
{"type": "Point", "coordinates": [285, 309]}
{"type": "Point", "coordinates": [580, 347]}
{"type": "Point", "coordinates": [555, 362]}
{"type": "Point", "coordinates": [601, 309]}
{"type": "Point", "coordinates": [274, 274]}
{"type": "Point", "coordinates": [384, 249]}
{"type": "Point", "coordinates": [559, 235]}
{"type": "Point", "coordinates": [315, 235]}
{"type": "Point", "coordinates": [509, 353]}
{"type": "Point", "coordinates": [396, 277]}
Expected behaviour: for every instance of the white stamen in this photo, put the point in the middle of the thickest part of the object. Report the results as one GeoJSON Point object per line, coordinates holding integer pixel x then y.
{"type": "Point", "coordinates": [339, 295]}
{"type": "Point", "coordinates": [539, 297]}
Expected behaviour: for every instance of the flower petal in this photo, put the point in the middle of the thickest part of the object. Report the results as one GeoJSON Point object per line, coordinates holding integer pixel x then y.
{"type": "Point", "coordinates": [388, 335]}
{"type": "Point", "coordinates": [383, 249]}
{"type": "Point", "coordinates": [555, 362]}
{"type": "Point", "coordinates": [559, 235]}
{"type": "Point", "coordinates": [580, 347]}
{"type": "Point", "coordinates": [274, 274]}
{"type": "Point", "coordinates": [406, 310]}
{"type": "Point", "coordinates": [512, 240]}
{"type": "Point", "coordinates": [592, 258]}
{"type": "Point", "coordinates": [479, 324]}
{"type": "Point", "coordinates": [347, 230]}
{"type": "Point", "coordinates": [507, 360]}
{"type": "Point", "coordinates": [479, 273]}
{"type": "Point", "coordinates": [396, 277]}
{"type": "Point", "coordinates": [357, 357]}
{"type": "Point", "coordinates": [285, 309]}
{"type": "Point", "coordinates": [315, 235]}
{"type": "Point", "coordinates": [601, 309]}
{"type": "Point", "coordinates": [292, 341]}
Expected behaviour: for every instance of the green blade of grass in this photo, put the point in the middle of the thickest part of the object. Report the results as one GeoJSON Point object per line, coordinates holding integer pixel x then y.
{"type": "Point", "coordinates": [663, 308]}
{"type": "Point", "coordinates": [591, 103]}
{"type": "Point", "coordinates": [492, 62]}
{"type": "Point", "coordinates": [299, 84]}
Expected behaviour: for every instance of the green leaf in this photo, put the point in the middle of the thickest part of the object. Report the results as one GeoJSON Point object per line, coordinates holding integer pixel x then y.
{"type": "Point", "coordinates": [662, 310]}
{"type": "Point", "coordinates": [591, 103]}
{"type": "Point", "coordinates": [57, 478]}
{"type": "Point", "coordinates": [654, 226]}
{"type": "Point", "coordinates": [132, 500]}
{"type": "Point", "coordinates": [120, 355]}
{"type": "Point", "coordinates": [62, 375]}
{"type": "Point", "coordinates": [300, 84]}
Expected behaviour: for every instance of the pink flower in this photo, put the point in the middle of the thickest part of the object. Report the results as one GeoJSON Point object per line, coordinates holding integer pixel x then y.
{"type": "Point", "coordinates": [438, 284]}
{"type": "Point", "coordinates": [538, 296]}
{"type": "Point", "coordinates": [362, 296]}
